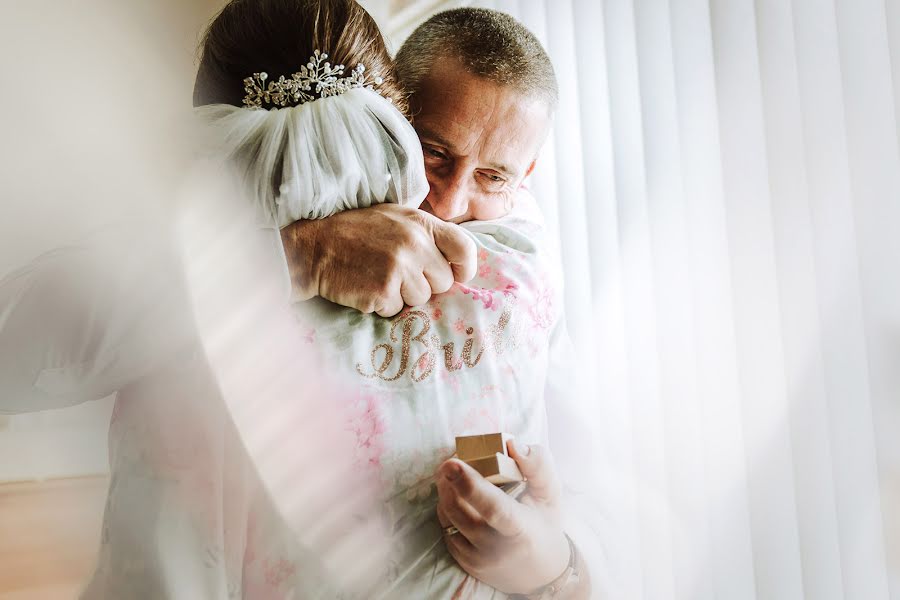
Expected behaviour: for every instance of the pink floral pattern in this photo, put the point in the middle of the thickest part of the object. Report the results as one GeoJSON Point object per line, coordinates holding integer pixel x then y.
{"type": "Point", "coordinates": [479, 419]}
{"type": "Point", "coordinates": [489, 297]}
{"type": "Point", "coordinates": [278, 571]}
{"type": "Point", "coordinates": [451, 378]}
{"type": "Point", "coordinates": [543, 310]}
{"type": "Point", "coordinates": [366, 422]}
{"type": "Point", "coordinates": [485, 296]}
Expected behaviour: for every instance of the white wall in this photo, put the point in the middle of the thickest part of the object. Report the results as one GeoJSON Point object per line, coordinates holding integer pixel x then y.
{"type": "Point", "coordinates": [64, 443]}
{"type": "Point", "coordinates": [92, 98]}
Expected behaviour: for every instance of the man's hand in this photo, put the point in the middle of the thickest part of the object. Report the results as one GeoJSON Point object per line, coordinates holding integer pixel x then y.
{"type": "Point", "coordinates": [377, 259]}
{"type": "Point", "coordinates": [514, 547]}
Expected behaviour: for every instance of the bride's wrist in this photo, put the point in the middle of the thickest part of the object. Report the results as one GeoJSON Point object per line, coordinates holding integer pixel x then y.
{"type": "Point", "coordinates": [570, 584]}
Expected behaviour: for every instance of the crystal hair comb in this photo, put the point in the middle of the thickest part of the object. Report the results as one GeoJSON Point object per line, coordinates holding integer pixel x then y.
{"type": "Point", "coordinates": [317, 79]}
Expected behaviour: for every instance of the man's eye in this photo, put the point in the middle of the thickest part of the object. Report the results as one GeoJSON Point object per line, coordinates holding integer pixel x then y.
{"type": "Point", "coordinates": [435, 153]}
{"type": "Point", "coordinates": [493, 177]}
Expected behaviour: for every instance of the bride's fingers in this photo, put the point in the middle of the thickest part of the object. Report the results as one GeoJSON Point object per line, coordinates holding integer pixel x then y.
{"type": "Point", "coordinates": [496, 509]}
{"type": "Point", "coordinates": [536, 465]}
{"type": "Point", "coordinates": [460, 513]}
{"type": "Point", "coordinates": [471, 526]}
{"type": "Point", "coordinates": [442, 517]}
{"type": "Point", "coordinates": [462, 551]}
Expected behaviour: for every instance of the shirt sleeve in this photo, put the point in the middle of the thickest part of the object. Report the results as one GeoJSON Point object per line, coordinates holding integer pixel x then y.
{"type": "Point", "coordinates": [79, 322]}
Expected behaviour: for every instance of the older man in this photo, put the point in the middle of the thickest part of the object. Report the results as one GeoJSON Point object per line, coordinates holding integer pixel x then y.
{"type": "Point", "coordinates": [483, 94]}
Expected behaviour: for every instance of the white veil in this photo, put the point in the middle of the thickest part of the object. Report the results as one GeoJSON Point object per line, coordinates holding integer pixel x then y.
{"type": "Point", "coordinates": [315, 159]}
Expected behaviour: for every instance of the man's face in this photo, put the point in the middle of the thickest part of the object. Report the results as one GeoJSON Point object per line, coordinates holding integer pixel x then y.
{"type": "Point", "coordinates": [480, 140]}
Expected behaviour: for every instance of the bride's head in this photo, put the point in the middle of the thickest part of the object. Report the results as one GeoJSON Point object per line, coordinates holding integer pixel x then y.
{"type": "Point", "coordinates": [279, 36]}
{"type": "Point", "coordinates": [317, 149]}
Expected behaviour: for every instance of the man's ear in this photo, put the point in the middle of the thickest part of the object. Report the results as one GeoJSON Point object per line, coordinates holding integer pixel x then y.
{"type": "Point", "coordinates": [530, 168]}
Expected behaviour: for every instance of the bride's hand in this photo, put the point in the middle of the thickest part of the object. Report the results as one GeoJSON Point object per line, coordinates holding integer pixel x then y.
{"type": "Point", "coordinates": [515, 547]}
{"type": "Point", "coordinates": [377, 259]}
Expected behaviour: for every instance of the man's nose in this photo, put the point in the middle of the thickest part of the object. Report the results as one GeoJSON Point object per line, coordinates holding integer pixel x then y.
{"type": "Point", "coordinates": [449, 196]}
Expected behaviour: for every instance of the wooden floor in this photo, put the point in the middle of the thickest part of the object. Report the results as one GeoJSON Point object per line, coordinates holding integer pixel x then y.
{"type": "Point", "coordinates": [49, 533]}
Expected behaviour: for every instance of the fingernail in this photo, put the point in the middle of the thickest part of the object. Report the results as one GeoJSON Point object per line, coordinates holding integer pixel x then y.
{"type": "Point", "coordinates": [523, 450]}
{"type": "Point", "coordinates": [451, 472]}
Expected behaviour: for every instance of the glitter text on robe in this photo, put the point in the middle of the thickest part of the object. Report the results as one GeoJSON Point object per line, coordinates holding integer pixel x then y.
{"type": "Point", "coordinates": [414, 328]}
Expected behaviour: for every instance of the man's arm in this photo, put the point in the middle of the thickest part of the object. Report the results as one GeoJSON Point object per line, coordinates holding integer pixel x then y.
{"type": "Point", "coordinates": [377, 259]}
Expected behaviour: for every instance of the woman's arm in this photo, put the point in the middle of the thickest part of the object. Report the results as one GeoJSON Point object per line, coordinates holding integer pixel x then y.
{"type": "Point", "coordinates": [79, 322]}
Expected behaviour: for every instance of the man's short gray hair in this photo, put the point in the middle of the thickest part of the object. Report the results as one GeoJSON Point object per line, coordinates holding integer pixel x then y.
{"type": "Point", "coordinates": [488, 43]}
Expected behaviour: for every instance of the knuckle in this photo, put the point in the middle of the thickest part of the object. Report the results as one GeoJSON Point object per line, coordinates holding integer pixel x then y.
{"type": "Point", "coordinates": [418, 298]}
{"type": "Point", "coordinates": [389, 310]}
{"type": "Point", "coordinates": [443, 287]}
{"type": "Point", "coordinates": [383, 303]}
{"type": "Point", "coordinates": [493, 513]}
{"type": "Point", "coordinates": [465, 485]}
{"type": "Point", "coordinates": [443, 280]}
{"type": "Point", "coordinates": [392, 264]}
{"type": "Point", "coordinates": [404, 232]}
{"type": "Point", "coordinates": [379, 296]}
{"type": "Point", "coordinates": [411, 225]}
{"type": "Point", "coordinates": [417, 242]}
{"type": "Point", "coordinates": [387, 286]}
{"type": "Point", "coordinates": [445, 494]}
{"type": "Point", "coordinates": [418, 218]}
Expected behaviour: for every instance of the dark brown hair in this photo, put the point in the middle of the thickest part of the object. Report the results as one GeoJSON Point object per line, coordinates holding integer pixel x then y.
{"type": "Point", "coordinates": [279, 36]}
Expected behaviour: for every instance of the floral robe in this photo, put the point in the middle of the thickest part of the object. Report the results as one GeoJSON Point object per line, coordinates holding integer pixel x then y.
{"type": "Point", "coordinates": [472, 360]}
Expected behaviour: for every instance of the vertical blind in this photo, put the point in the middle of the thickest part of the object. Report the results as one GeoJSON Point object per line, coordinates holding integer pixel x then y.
{"type": "Point", "coordinates": [724, 179]}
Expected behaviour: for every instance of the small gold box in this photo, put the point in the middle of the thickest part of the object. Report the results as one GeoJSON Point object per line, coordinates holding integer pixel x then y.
{"type": "Point", "coordinates": [487, 454]}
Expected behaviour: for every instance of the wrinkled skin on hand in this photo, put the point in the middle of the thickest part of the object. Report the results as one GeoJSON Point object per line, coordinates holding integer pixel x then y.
{"type": "Point", "coordinates": [377, 259]}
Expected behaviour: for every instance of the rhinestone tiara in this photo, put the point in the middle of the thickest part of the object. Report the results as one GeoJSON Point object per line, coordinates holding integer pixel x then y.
{"type": "Point", "coordinates": [317, 79]}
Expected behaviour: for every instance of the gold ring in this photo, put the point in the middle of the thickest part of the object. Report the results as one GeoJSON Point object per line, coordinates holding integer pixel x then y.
{"type": "Point", "coordinates": [448, 531]}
